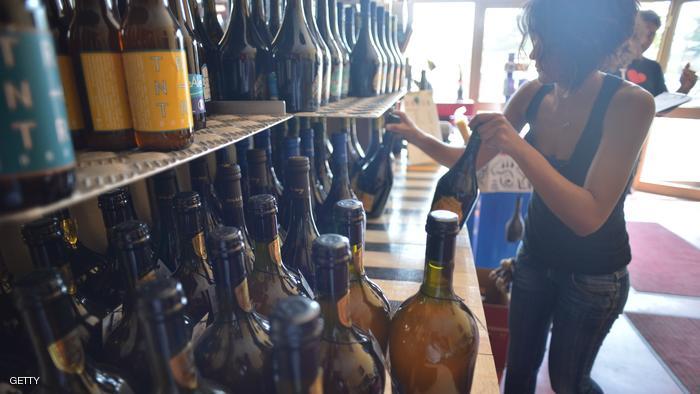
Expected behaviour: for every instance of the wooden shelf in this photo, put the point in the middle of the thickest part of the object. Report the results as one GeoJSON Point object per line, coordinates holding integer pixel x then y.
{"type": "Point", "coordinates": [357, 107]}
{"type": "Point", "coordinates": [100, 171]}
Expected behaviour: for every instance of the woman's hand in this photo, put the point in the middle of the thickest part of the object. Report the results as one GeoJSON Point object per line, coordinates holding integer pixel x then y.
{"type": "Point", "coordinates": [406, 128]}
{"type": "Point", "coordinates": [497, 133]}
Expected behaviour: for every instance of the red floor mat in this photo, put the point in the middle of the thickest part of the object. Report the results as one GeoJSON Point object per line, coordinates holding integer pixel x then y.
{"type": "Point", "coordinates": [662, 262]}
{"type": "Point", "coordinates": [677, 341]}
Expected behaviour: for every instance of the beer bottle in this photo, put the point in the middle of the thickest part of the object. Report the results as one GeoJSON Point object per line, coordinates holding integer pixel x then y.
{"type": "Point", "coordinates": [193, 50]}
{"type": "Point", "coordinates": [160, 305]}
{"type": "Point", "coordinates": [375, 179]}
{"type": "Point", "coordinates": [60, 14]}
{"type": "Point", "coordinates": [392, 62]}
{"type": "Point", "coordinates": [276, 16]}
{"type": "Point", "coordinates": [333, 20]}
{"type": "Point", "coordinates": [37, 162]}
{"type": "Point", "coordinates": [295, 330]}
{"type": "Point", "coordinates": [209, 59]}
{"type": "Point", "coordinates": [262, 141]}
{"type": "Point", "coordinates": [211, 21]}
{"type": "Point", "coordinates": [349, 28]}
{"type": "Point", "coordinates": [337, 54]}
{"type": "Point", "coordinates": [367, 306]}
{"type": "Point", "coordinates": [375, 39]}
{"type": "Point", "coordinates": [325, 66]}
{"type": "Point", "coordinates": [259, 21]}
{"type": "Point", "coordinates": [96, 46]}
{"type": "Point", "coordinates": [165, 188]}
{"type": "Point", "coordinates": [116, 207]}
{"type": "Point", "coordinates": [125, 346]}
{"type": "Point", "coordinates": [433, 329]}
{"type": "Point", "coordinates": [351, 360]}
{"type": "Point", "coordinates": [366, 61]}
{"type": "Point", "coordinates": [340, 188]}
{"type": "Point", "coordinates": [201, 183]}
{"type": "Point", "coordinates": [157, 76]}
{"type": "Point", "coordinates": [318, 193]}
{"type": "Point", "coordinates": [242, 148]}
{"type": "Point", "coordinates": [401, 80]}
{"type": "Point", "coordinates": [235, 349]}
{"type": "Point", "coordinates": [323, 169]}
{"type": "Point", "coordinates": [42, 298]}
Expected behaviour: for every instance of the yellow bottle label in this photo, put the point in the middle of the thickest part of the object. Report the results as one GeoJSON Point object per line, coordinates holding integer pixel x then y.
{"type": "Point", "coordinates": [70, 92]}
{"type": "Point", "coordinates": [159, 90]}
{"type": "Point", "coordinates": [67, 353]}
{"type": "Point", "coordinates": [106, 90]}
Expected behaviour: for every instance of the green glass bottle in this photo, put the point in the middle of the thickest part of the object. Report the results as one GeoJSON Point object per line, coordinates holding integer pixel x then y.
{"type": "Point", "coordinates": [434, 330]}
{"type": "Point", "coordinates": [235, 349]}
{"type": "Point", "coordinates": [351, 361]}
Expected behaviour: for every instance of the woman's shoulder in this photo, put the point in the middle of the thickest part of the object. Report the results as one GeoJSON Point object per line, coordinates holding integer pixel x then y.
{"type": "Point", "coordinates": [632, 99]}
{"type": "Point", "coordinates": [523, 96]}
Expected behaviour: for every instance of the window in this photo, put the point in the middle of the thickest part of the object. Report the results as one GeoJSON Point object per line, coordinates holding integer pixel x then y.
{"type": "Point", "coordinates": [685, 47]}
{"type": "Point", "coordinates": [442, 34]}
{"type": "Point", "coordinates": [502, 37]}
{"type": "Point", "coordinates": [661, 9]}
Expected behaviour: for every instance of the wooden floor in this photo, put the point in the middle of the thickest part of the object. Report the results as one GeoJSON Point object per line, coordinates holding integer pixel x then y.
{"type": "Point", "coordinates": [395, 252]}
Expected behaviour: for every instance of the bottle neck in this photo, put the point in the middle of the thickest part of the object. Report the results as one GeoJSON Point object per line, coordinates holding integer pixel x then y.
{"type": "Point", "coordinates": [340, 161]}
{"type": "Point", "coordinates": [267, 243]}
{"type": "Point", "coordinates": [70, 232]}
{"type": "Point", "coordinates": [112, 217]}
{"type": "Point", "coordinates": [291, 147]}
{"type": "Point", "coordinates": [380, 28]}
{"type": "Point", "coordinates": [297, 368]}
{"type": "Point", "coordinates": [191, 247]}
{"type": "Point", "coordinates": [165, 193]}
{"type": "Point", "coordinates": [96, 5]}
{"type": "Point", "coordinates": [320, 140]}
{"type": "Point", "coordinates": [332, 294]}
{"type": "Point", "coordinates": [170, 354]}
{"type": "Point", "coordinates": [137, 266]}
{"type": "Point", "coordinates": [258, 179]}
{"type": "Point", "coordinates": [232, 204]}
{"type": "Point", "coordinates": [333, 17]}
{"type": "Point", "coordinates": [293, 14]}
{"type": "Point", "coordinates": [57, 340]}
{"type": "Point", "coordinates": [53, 254]}
{"type": "Point", "coordinates": [468, 160]}
{"type": "Point", "coordinates": [356, 234]}
{"type": "Point", "coordinates": [241, 148]}
{"type": "Point", "coordinates": [232, 296]}
{"type": "Point", "coordinates": [439, 267]}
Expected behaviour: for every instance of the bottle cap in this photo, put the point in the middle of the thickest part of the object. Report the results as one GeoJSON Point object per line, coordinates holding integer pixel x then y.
{"type": "Point", "coordinates": [256, 156]}
{"type": "Point", "coordinates": [187, 201]}
{"type": "Point", "coordinates": [114, 200]}
{"type": "Point", "coordinates": [348, 211]}
{"type": "Point", "coordinates": [225, 246]}
{"type": "Point", "coordinates": [38, 286]}
{"type": "Point", "coordinates": [224, 241]}
{"type": "Point", "coordinates": [262, 204]}
{"type": "Point", "coordinates": [41, 230]}
{"type": "Point", "coordinates": [230, 172]}
{"type": "Point", "coordinates": [294, 321]}
{"type": "Point", "coordinates": [130, 235]}
{"type": "Point", "coordinates": [298, 164]}
{"type": "Point", "coordinates": [157, 299]}
{"type": "Point", "coordinates": [330, 250]}
{"type": "Point", "coordinates": [442, 223]}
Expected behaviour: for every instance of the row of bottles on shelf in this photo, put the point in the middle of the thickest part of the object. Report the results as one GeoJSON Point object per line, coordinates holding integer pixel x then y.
{"type": "Point", "coordinates": [209, 302]}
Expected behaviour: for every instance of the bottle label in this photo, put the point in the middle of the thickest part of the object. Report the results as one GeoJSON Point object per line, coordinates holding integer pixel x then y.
{"type": "Point", "coordinates": [35, 135]}
{"type": "Point", "coordinates": [205, 83]}
{"type": "Point", "coordinates": [197, 93]}
{"type": "Point", "coordinates": [358, 258]}
{"type": "Point", "coordinates": [70, 93]}
{"type": "Point", "coordinates": [106, 91]}
{"type": "Point", "coordinates": [183, 369]}
{"type": "Point", "coordinates": [67, 353]}
{"type": "Point", "coordinates": [199, 246]}
{"type": "Point", "coordinates": [336, 80]}
{"type": "Point", "coordinates": [274, 250]}
{"type": "Point", "coordinates": [243, 296]}
{"type": "Point", "coordinates": [159, 90]}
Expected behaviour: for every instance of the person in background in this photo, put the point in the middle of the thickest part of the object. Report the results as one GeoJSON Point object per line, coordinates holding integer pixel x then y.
{"type": "Point", "coordinates": [647, 73]}
{"type": "Point", "coordinates": [586, 130]}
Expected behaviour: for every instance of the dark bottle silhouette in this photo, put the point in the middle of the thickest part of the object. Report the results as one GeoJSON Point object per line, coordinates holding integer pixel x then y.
{"type": "Point", "coordinates": [340, 189]}
{"type": "Point", "coordinates": [337, 55]}
{"type": "Point", "coordinates": [291, 149]}
{"type": "Point", "coordinates": [368, 307]}
{"type": "Point", "coordinates": [301, 227]}
{"type": "Point", "coordinates": [351, 360]}
{"type": "Point", "coordinates": [193, 267]}
{"type": "Point", "coordinates": [233, 212]}
{"type": "Point", "coordinates": [259, 20]}
{"type": "Point", "coordinates": [365, 62]}
{"type": "Point", "coordinates": [53, 325]}
{"type": "Point", "coordinates": [211, 22]}
{"type": "Point", "coordinates": [399, 82]}
{"type": "Point", "coordinates": [242, 148]}
{"type": "Point", "coordinates": [202, 184]}
{"type": "Point", "coordinates": [375, 39]}
{"type": "Point", "coordinates": [388, 53]}
{"type": "Point", "coordinates": [277, 135]}
{"type": "Point", "coordinates": [323, 169]}
{"type": "Point", "coordinates": [376, 177]}
{"type": "Point", "coordinates": [276, 14]}
{"type": "Point", "coordinates": [354, 147]}
{"type": "Point", "coordinates": [295, 330]}
{"type": "Point", "coordinates": [262, 141]}
{"type": "Point", "coordinates": [258, 177]}
{"type": "Point", "coordinates": [210, 58]}
{"type": "Point", "coordinates": [297, 61]}
{"type": "Point", "coordinates": [457, 190]}
{"type": "Point", "coordinates": [125, 346]}
{"type": "Point", "coordinates": [165, 188]}
{"type": "Point", "coordinates": [310, 14]}
{"type": "Point", "coordinates": [344, 49]}
{"type": "Point", "coordinates": [449, 336]}
{"type": "Point", "coordinates": [515, 225]}
{"type": "Point", "coordinates": [340, 26]}
{"type": "Point", "coordinates": [318, 193]}
{"type": "Point", "coordinates": [235, 350]}
{"type": "Point", "coordinates": [160, 305]}
{"type": "Point", "coordinates": [350, 33]}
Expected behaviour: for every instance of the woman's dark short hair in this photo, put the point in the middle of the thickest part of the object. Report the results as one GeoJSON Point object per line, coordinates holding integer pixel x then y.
{"type": "Point", "coordinates": [650, 16]}
{"type": "Point", "coordinates": [578, 35]}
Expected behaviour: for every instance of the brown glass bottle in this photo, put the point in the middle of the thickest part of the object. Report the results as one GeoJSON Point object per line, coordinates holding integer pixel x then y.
{"type": "Point", "coordinates": [211, 22]}
{"type": "Point", "coordinates": [193, 50]}
{"type": "Point", "coordinates": [351, 361]}
{"type": "Point", "coordinates": [433, 329]}
{"type": "Point", "coordinates": [165, 188]}
{"type": "Point", "coordinates": [60, 14]}
{"type": "Point", "coordinates": [235, 349]}
{"type": "Point", "coordinates": [37, 162]}
{"type": "Point", "coordinates": [193, 267]}
{"type": "Point", "coordinates": [125, 346]}
{"type": "Point", "coordinates": [202, 184]}
{"type": "Point", "coordinates": [96, 45]}
{"type": "Point", "coordinates": [42, 298]}
{"type": "Point", "coordinates": [368, 307]}
{"type": "Point", "coordinates": [157, 77]}
{"type": "Point", "coordinates": [270, 280]}
{"type": "Point", "coordinates": [160, 305]}
{"type": "Point", "coordinates": [295, 330]}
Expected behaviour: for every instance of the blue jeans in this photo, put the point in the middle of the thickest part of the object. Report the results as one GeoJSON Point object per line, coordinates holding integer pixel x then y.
{"type": "Point", "coordinates": [580, 309]}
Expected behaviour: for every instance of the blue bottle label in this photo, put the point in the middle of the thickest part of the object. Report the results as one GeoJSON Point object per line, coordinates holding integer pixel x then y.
{"type": "Point", "coordinates": [197, 93]}
{"type": "Point", "coordinates": [35, 134]}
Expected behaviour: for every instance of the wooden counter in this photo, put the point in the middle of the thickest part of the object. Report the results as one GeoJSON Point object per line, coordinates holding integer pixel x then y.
{"type": "Point", "coordinates": [395, 253]}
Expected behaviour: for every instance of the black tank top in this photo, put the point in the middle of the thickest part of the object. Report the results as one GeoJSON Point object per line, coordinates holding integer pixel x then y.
{"type": "Point", "coordinates": [548, 242]}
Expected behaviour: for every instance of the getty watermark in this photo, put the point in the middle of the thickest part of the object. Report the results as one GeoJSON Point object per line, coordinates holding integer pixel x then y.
{"type": "Point", "coordinates": [22, 380]}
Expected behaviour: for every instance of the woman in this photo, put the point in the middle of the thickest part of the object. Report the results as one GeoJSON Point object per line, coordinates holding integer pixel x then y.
{"type": "Point", "coordinates": [586, 131]}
